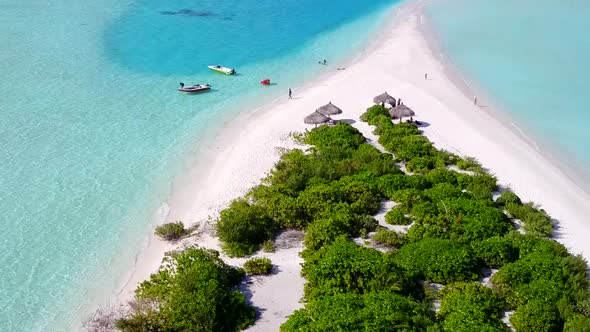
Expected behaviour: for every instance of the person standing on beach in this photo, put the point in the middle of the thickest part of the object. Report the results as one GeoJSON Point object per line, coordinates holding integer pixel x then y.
{"type": "Point", "coordinates": [290, 94]}
{"type": "Point", "coordinates": [475, 100]}
{"type": "Point", "coordinates": [425, 76]}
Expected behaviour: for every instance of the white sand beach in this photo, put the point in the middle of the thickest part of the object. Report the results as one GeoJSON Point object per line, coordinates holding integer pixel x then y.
{"type": "Point", "coordinates": [247, 149]}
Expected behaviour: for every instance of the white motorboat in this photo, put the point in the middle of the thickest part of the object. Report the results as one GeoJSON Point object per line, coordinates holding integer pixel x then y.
{"type": "Point", "coordinates": [194, 88]}
{"type": "Point", "coordinates": [222, 70]}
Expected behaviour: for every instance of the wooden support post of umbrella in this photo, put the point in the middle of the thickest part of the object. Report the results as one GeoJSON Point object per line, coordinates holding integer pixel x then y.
{"type": "Point", "coordinates": [384, 98]}
{"type": "Point", "coordinates": [316, 118]}
{"type": "Point", "coordinates": [329, 109]}
{"type": "Point", "coordinates": [400, 112]}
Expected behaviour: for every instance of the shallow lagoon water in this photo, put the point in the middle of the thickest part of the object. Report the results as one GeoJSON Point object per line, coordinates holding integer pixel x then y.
{"type": "Point", "coordinates": [93, 132]}
{"type": "Point", "coordinates": [531, 57]}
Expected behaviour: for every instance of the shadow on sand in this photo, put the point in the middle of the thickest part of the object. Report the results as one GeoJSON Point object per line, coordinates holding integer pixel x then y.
{"type": "Point", "coordinates": [349, 121]}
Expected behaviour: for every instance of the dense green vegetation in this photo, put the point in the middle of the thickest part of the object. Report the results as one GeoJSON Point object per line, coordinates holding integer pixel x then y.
{"type": "Point", "coordinates": [171, 231]}
{"type": "Point", "coordinates": [194, 290]}
{"type": "Point", "coordinates": [375, 312]}
{"type": "Point", "coordinates": [456, 231]}
{"type": "Point", "coordinates": [268, 246]}
{"type": "Point", "coordinates": [396, 216]}
{"type": "Point", "coordinates": [471, 307]}
{"type": "Point", "coordinates": [243, 228]}
{"type": "Point", "coordinates": [389, 238]}
{"type": "Point", "coordinates": [258, 266]}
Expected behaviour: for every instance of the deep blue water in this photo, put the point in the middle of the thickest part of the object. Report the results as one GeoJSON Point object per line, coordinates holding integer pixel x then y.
{"type": "Point", "coordinates": [532, 57]}
{"type": "Point", "coordinates": [178, 37]}
{"type": "Point", "coordinates": [93, 132]}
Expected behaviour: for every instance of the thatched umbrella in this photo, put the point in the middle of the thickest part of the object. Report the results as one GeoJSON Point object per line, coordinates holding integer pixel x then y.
{"type": "Point", "coordinates": [384, 98]}
{"type": "Point", "coordinates": [329, 109]}
{"type": "Point", "coordinates": [316, 118]}
{"type": "Point", "coordinates": [401, 111]}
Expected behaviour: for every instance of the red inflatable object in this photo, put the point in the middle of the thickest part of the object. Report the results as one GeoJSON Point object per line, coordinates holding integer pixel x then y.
{"type": "Point", "coordinates": [265, 81]}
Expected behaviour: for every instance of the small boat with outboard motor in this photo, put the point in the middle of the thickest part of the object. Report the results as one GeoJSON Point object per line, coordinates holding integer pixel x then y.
{"type": "Point", "coordinates": [194, 88]}
{"type": "Point", "coordinates": [222, 70]}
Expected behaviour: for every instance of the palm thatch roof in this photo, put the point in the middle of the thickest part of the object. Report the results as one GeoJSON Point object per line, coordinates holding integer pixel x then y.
{"type": "Point", "coordinates": [401, 111]}
{"type": "Point", "coordinates": [316, 118]}
{"type": "Point", "coordinates": [384, 98]}
{"type": "Point", "coordinates": [329, 109]}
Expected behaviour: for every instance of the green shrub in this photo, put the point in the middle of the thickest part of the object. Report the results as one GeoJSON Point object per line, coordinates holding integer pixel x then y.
{"type": "Point", "coordinates": [389, 184]}
{"type": "Point", "coordinates": [427, 210]}
{"type": "Point", "coordinates": [407, 198]}
{"type": "Point", "coordinates": [508, 197]}
{"type": "Point", "coordinates": [347, 267]}
{"type": "Point", "coordinates": [520, 211]}
{"type": "Point", "coordinates": [447, 157]}
{"type": "Point", "coordinates": [536, 316]}
{"type": "Point", "coordinates": [292, 171]}
{"type": "Point", "coordinates": [383, 124]}
{"type": "Point", "coordinates": [341, 135]}
{"type": "Point", "coordinates": [536, 222]}
{"type": "Point", "coordinates": [461, 219]}
{"type": "Point", "coordinates": [438, 260]}
{"type": "Point", "coordinates": [542, 276]}
{"type": "Point", "coordinates": [496, 251]}
{"type": "Point", "coordinates": [238, 249]}
{"type": "Point", "coordinates": [476, 219]}
{"type": "Point", "coordinates": [418, 182]}
{"type": "Point", "coordinates": [421, 164]}
{"type": "Point", "coordinates": [528, 244]}
{"type": "Point", "coordinates": [406, 148]}
{"type": "Point", "coordinates": [469, 164]}
{"type": "Point", "coordinates": [362, 197]}
{"type": "Point", "coordinates": [280, 203]}
{"type": "Point", "coordinates": [577, 323]}
{"type": "Point", "coordinates": [374, 112]}
{"type": "Point", "coordinates": [443, 191]}
{"type": "Point", "coordinates": [194, 290]}
{"type": "Point", "coordinates": [481, 186]}
{"type": "Point", "coordinates": [243, 227]}
{"type": "Point", "coordinates": [389, 238]}
{"type": "Point", "coordinates": [471, 307]}
{"type": "Point", "coordinates": [441, 175]}
{"type": "Point", "coordinates": [396, 216]}
{"type": "Point", "coordinates": [363, 224]}
{"type": "Point", "coordinates": [368, 158]}
{"type": "Point", "coordinates": [376, 312]}
{"type": "Point", "coordinates": [268, 246]}
{"type": "Point", "coordinates": [324, 231]}
{"type": "Point", "coordinates": [171, 231]}
{"type": "Point", "coordinates": [258, 266]}
{"type": "Point", "coordinates": [317, 198]}
{"type": "Point", "coordinates": [432, 228]}
{"type": "Point", "coordinates": [364, 235]}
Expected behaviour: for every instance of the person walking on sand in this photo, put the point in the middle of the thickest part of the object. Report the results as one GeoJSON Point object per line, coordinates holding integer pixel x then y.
{"type": "Point", "coordinates": [290, 94]}
{"type": "Point", "coordinates": [425, 76]}
{"type": "Point", "coordinates": [475, 101]}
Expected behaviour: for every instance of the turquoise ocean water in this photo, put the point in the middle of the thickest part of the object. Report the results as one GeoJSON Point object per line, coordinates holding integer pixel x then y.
{"type": "Point", "coordinates": [93, 132]}
{"type": "Point", "coordinates": [533, 59]}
